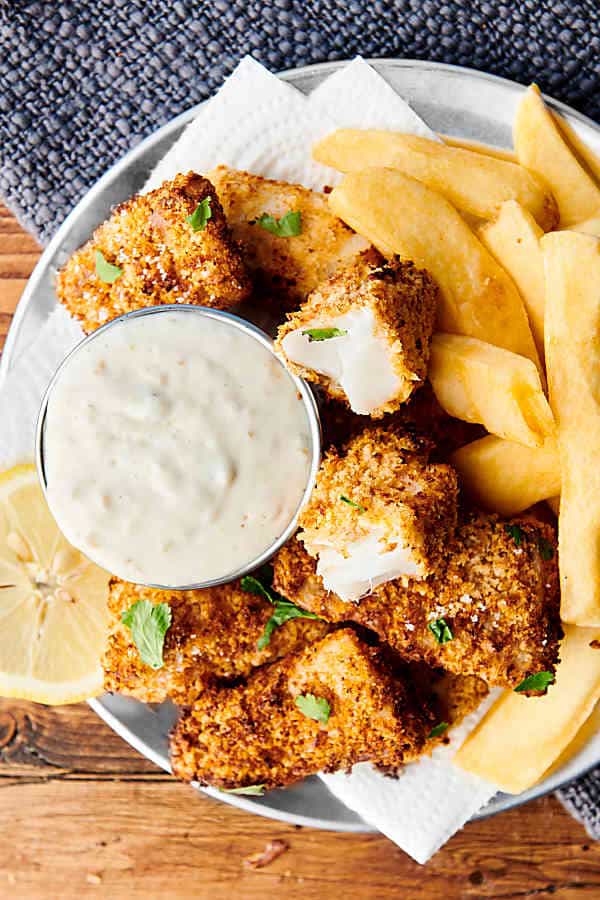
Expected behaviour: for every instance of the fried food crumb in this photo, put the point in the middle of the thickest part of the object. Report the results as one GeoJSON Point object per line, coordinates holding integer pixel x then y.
{"type": "Point", "coordinates": [272, 851]}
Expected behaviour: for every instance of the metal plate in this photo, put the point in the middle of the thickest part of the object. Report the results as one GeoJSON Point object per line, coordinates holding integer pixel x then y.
{"type": "Point", "coordinates": [455, 101]}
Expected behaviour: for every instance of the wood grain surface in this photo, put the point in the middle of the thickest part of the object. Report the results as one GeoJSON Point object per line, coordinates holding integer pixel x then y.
{"type": "Point", "coordinates": [82, 815]}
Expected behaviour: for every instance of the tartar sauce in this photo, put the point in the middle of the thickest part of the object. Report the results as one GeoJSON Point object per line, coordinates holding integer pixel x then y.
{"type": "Point", "coordinates": [177, 448]}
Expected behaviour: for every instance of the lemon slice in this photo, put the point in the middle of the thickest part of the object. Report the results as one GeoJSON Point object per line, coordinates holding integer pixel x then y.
{"type": "Point", "coordinates": [53, 601]}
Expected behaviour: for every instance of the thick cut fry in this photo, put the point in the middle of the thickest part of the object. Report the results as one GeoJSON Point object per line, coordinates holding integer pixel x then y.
{"type": "Point", "coordinates": [572, 265]}
{"type": "Point", "coordinates": [506, 477]}
{"type": "Point", "coordinates": [520, 737]}
{"type": "Point", "coordinates": [590, 226]}
{"type": "Point", "coordinates": [514, 239]}
{"type": "Point", "coordinates": [472, 182]}
{"type": "Point", "coordinates": [483, 149]}
{"type": "Point", "coordinates": [480, 383]}
{"type": "Point", "coordinates": [400, 215]}
{"type": "Point", "coordinates": [586, 156]}
{"type": "Point", "coordinates": [540, 147]}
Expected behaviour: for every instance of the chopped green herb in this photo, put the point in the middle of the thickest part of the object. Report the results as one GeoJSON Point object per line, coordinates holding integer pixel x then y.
{"type": "Point", "coordinates": [538, 682]}
{"type": "Point", "coordinates": [252, 585]}
{"type": "Point", "coordinates": [284, 610]}
{"type": "Point", "coordinates": [546, 549]}
{"type": "Point", "coordinates": [199, 218]}
{"type": "Point", "coordinates": [441, 631]}
{"type": "Point", "coordinates": [438, 730]}
{"type": "Point", "coordinates": [323, 334]}
{"type": "Point", "coordinates": [316, 708]}
{"type": "Point", "coordinates": [253, 790]}
{"type": "Point", "coordinates": [353, 504]}
{"type": "Point", "coordinates": [289, 225]}
{"type": "Point", "coordinates": [148, 625]}
{"type": "Point", "coordinates": [515, 532]}
{"type": "Point", "coordinates": [106, 271]}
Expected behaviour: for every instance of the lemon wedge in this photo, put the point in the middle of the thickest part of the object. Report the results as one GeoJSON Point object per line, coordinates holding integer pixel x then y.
{"type": "Point", "coordinates": [53, 601]}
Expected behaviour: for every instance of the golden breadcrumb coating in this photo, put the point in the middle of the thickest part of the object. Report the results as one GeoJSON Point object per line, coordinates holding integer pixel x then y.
{"type": "Point", "coordinates": [213, 635]}
{"type": "Point", "coordinates": [256, 734]}
{"type": "Point", "coordinates": [286, 269]}
{"type": "Point", "coordinates": [162, 258]}
{"type": "Point", "coordinates": [499, 598]}
{"type": "Point", "coordinates": [392, 490]}
{"type": "Point", "coordinates": [402, 300]}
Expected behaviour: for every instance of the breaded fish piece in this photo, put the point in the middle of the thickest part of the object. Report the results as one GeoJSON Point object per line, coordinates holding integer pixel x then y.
{"type": "Point", "coordinates": [163, 260]}
{"type": "Point", "coordinates": [379, 511]}
{"type": "Point", "coordinates": [364, 334]}
{"type": "Point", "coordinates": [497, 594]}
{"type": "Point", "coordinates": [286, 269]}
{"type": "Point", "coordinates": [213, 635]}
{"type": "Point", "coordinates": [256, 734]}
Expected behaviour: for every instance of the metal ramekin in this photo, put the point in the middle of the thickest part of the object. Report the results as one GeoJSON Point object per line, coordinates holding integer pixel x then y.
{"type": "Point", "coordinates": [303, 388]}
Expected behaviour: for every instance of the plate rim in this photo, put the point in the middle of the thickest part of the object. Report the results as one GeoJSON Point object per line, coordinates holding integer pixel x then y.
{"type": "Point", "coordinates": [496, 806]}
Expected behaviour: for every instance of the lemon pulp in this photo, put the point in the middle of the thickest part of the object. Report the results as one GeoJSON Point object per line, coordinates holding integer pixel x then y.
{"type": "Point", "coordinates": [53, 601]}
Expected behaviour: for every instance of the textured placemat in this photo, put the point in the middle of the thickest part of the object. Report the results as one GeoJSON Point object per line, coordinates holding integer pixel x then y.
{"type": "Point", "coordinates": [82, 82]}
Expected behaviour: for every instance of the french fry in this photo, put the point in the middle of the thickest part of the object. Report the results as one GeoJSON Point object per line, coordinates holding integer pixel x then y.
{"type": "Point", "coordinates": [400, 215]}
{"type": "Point", "coordinates": [476, 147]}
{"type": "Point", "coordinates": [541, 147]}
{"type": "Point", "coordinates": [480, 383]}
{"type": "Point", "coordinates": [590, 226]}
{"type": "Point", "coordinates": [473, 182]}
{"type": "Point", "coordinates": [506, 477]}
{"type": "Point", "coordinates": [513, 238]}
{"type": "Point", "coordinates": [572, 267]}
{"type": "Point", "coordinates": [519, 739]}
{"type": "Point", "coordinates": [584, 153]}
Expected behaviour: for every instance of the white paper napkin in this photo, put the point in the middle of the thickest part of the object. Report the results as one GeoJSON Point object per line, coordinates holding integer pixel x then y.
{"type": "Point", "coordinates": [26, 382]}
{"type": "Point", "coordinates": [259, 123]}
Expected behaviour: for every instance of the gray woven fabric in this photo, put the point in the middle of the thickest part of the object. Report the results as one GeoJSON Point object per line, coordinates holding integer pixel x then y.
{"type": "Point", "coordinates": [82, 82]}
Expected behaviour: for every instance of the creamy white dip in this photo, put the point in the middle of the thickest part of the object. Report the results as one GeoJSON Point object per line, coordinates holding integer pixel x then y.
{"type": "Point", "coordinates": [177, 448]}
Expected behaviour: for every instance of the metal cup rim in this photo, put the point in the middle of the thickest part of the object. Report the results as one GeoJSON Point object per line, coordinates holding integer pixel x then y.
{"type": "Point", "coordinates": [304, 389]}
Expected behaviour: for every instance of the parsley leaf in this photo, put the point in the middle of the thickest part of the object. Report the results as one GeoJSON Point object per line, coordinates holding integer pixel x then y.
{"type": "Point", "coordinates": [537, 682]}
{"type": "Point", "coordinates": [316, 708]}
{"type": "Point", "coordinates": [546, 549]}
{"type": "Point", "coordinates": [105, 271]}
{"type": "Point", "coordinates": [357, 506]}
{"type": "Point", "coordinates": [148, 624]}
{"type": "Point", "coordinates": [283, 612]}
{"type": "Point", "coordinates": [515, 532]}
{"type": "Point", "coordinates": [199, 218]}
{"type": "Point", "coordinates": [252, 585]}
{"type": "Point", "coordinates": [441, 631]}
{"type": "Point", "coordinates": [289, 225]}
{"type": "Point", "coordinates": [323, 334]}
{"type": "Point", "coordinates": [252, 790]}
{"type": "Point", "coordinates": [438, 730]}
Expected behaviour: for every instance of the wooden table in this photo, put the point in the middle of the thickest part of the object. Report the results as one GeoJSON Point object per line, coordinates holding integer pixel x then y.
{"type": "Point", "coordinates": [82, 815]}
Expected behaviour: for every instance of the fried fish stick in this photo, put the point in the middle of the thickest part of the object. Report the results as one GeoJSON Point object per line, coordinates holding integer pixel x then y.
{"type": "Point", "coordinates": [155, 256]}
{"type": "Point", "coordinates": [286, 268]}
{"type": "Point", "coordinates": [472, 182]}
{"type": "Point", "coordinates": [325, 708]}
{"type": "Point", "coordinates": [364, 334]}
{"type": "Point", "coordinates": [492, 611]}
{"type": "Point", "coordinates": [214, 634]}
{"type": "Point", "coordinates": [378, 511]}
{"type": "Point", "coordinates": [402, 216]}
